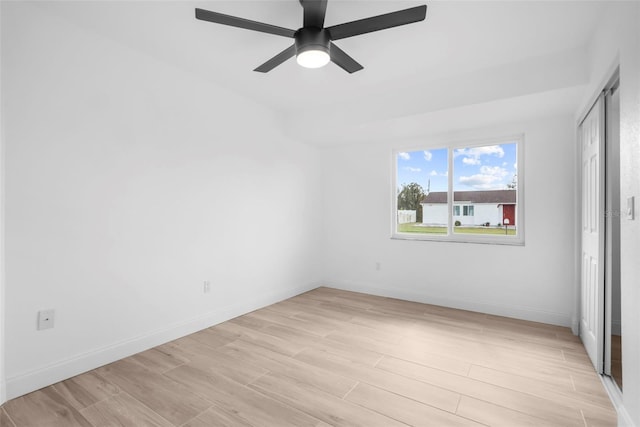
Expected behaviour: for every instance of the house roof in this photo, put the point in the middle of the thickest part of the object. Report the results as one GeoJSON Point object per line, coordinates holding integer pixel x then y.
{"type": "Point", "coordinates": [489, 196]}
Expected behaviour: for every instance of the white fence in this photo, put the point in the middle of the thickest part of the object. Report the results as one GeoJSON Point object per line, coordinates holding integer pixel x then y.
{"type": "Point", "coordinates": [405, 216]}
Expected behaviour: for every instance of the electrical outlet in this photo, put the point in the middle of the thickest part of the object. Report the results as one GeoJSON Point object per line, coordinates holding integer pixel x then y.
{"type": "Point", "coordinates": [206, 288]}
{"type": "Point", "coordinates": [45, 319]}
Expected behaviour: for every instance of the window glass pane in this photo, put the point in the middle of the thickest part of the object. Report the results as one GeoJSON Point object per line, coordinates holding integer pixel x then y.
{"type": "Point", "coordinates": [485, 184]}
{"type": "Point", "coordinates": [422, 182]}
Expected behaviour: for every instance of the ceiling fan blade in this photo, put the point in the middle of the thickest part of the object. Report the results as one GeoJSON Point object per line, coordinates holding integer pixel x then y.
{"type": "Point", "coordinates": [220, 18]}
{"type": "Point", "coordinates": [314, 12]}
{"type": "Point", "coordinates": [377, 23]}
{"type": "Point", "coordinates": [344, 61]}
{"type": "Point", "coordinates": [277, 60]}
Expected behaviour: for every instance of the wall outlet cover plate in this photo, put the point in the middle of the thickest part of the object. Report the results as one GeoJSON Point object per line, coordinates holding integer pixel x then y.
{"type": "Point", "coordinates": [45, 319]}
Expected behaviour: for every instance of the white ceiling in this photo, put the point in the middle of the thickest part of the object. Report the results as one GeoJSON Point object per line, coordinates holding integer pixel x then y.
{"type": "Point", "coordinates": [465, 52]}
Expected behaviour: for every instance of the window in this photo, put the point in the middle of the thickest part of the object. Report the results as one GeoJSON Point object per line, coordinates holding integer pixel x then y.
{"type": "Point", "coordinates": [469, 192]}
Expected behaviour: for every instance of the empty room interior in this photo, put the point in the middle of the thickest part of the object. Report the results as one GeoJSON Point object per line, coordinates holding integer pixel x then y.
{"type": "Point", "coordinates": [303, 212]}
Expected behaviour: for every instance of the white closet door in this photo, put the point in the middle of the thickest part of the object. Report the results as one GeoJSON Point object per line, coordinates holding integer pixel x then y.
{"type": "Point", "coordinates": [592, 280]}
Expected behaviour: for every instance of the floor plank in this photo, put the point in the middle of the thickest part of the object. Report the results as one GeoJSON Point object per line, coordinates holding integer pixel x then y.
{"type": "Point", "coordinates": [123, 410]}
{"type": "Point", "coordinates": [553, 411]}
{"type": "Point", "coordinates": [269, 341]}
{"type": "Point", "coordinates": [215, 418]}
{"type": "Point", "coordinates": [234, 402]}
{"type": "Point", "coordinates": [567, 396]}
{"type": "Point", "coordinates": [274, 316]}
{"type": "Point", "coordinates": [44, 407]}
{"type": "Point", "coordinates": [404, 385]}
{"type": "Point", "coordinates": [169, 399]}
{"type": "Point", "coordinates": [5, 421]}
{"type": "Point", "coordinates": [404, 409]}
{"type": "Point", "coordinates": [498, 416]}
{"type": "Point", "coordinates": [209, 359]}
{"type": "Point", "coordinates": [86, 389]}
{"type": "Point", "coordinates": [159, 361]}
{"type": "Point", "coordinates": [323, 406]}
{"type": "Point", "coordinates": [328, 382]}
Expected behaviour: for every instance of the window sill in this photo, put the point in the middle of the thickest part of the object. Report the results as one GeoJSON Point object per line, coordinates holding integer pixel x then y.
{"type": "Point", "coordinates": [457, 238]}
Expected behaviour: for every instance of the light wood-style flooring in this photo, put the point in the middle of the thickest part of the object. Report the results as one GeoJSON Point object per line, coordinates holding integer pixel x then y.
{"type": "Point", "coordinates": [331, 357]}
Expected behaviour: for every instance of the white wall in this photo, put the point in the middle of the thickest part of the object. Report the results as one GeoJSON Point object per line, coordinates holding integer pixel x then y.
{"type": "Point", "coordinates": [438, 214]}
{"type": "Point", "coordinates": [2, 317]}
{"type": "Point", "coordinates": [490, 212]}
{"type": "Point", "coordinates": [482, 213]}
{"type": "Point", "coordinates": [534, 281]}
{"type": "Point", "coordinates": [617, 42]}
{"type": "Point", "coordinates": [435, 214]}
{"type": "Point", "coordinates": [129, 183]}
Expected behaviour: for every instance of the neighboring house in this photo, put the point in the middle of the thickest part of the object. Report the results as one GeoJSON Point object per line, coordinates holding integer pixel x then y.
{"type": "Point", "coordinates": [471, 207]}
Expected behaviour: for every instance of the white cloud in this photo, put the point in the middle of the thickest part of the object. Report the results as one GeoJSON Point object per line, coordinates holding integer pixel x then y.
{"type": "Point", "coordinates": [434, 173]}
{"type": "Point", "coordinates": [428, 155]}
{"type": "Point", "coordinates": [496, 171]}
{"type": "Point", "coordinates": [404, 156]}
{"type": "Point", "coordinates": [471, 161]}
{"type": "Point", "coordinates": [494, 150]}
{"type": "Point", "coordinates": [489, 178]}
{"type": "Point", "coordinates": [515, 166]}
{"type": "Point", "coordinates": [410, 169]}
{"type": "Point", "coordinates": [479, 181]}
{"type": "Point", "coordinates": [476, 152]}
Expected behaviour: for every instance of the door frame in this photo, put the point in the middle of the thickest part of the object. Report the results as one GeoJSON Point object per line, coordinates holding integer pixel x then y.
{"type": "Point", "coordinates": [612, 86]}
{"type": "Point", "coordinates": [3, 393]}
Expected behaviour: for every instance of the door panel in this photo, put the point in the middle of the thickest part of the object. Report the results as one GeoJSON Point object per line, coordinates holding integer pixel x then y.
{"type": "Point", "coordinates": [592, 280]}
{"type": "Point", "coordinates": [509, 212]}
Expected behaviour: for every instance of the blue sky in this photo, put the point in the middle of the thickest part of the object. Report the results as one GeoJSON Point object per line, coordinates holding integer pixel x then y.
{"type": "Point", "coordinates": [489, 167]}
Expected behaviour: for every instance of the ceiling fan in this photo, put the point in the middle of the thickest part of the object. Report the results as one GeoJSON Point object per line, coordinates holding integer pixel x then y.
{"type": "Point", "coordinates": [313, 43]}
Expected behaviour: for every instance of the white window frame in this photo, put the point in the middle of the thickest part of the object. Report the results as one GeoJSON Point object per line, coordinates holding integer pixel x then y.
{"type": "Point", "coordinates": [450, 236]}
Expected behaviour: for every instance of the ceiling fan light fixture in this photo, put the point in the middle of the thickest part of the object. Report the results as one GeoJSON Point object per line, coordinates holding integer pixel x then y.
{"type": "Point", "coordinates": [313, 58]}
{"type": "Point", "coordinates": [312, 47]}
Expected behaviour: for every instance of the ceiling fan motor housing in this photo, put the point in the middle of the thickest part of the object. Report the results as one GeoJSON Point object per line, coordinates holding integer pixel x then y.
{"type": "Point", "coordinates": [312, 38]}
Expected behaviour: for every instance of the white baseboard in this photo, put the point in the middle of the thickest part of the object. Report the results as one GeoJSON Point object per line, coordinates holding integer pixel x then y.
{"type": "Point", "coordinates": [3, 391]}
{"type": "Point", "coordinates": [575, 327]}
{"type": "Point", "coordinates": [34, 380]}
{"type": "Point", "coordinates": [624, 419]}
{"type": "Point", "coordinates": [524, 313]}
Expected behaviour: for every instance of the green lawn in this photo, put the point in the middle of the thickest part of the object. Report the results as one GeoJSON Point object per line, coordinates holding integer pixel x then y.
{"type": "Point", "coordinates": [419, 228]}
